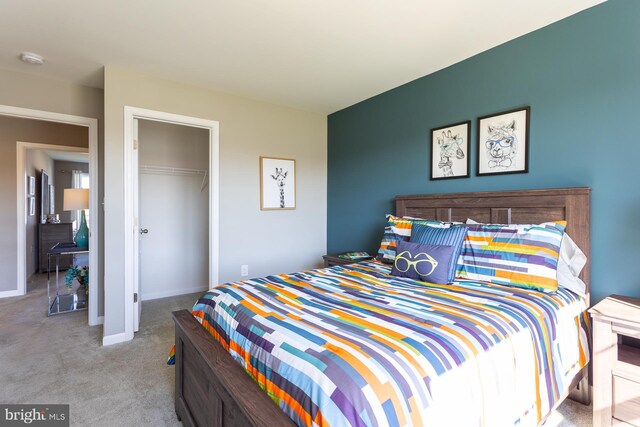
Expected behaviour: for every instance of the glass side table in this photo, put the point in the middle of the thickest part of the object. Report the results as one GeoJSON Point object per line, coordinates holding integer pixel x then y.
{"type": "Point", "coordinates": [69, 301]}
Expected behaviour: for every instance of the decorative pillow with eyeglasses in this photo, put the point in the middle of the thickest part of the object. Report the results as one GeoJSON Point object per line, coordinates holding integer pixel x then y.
{"type": "Point", "coordinates": [427, 263]}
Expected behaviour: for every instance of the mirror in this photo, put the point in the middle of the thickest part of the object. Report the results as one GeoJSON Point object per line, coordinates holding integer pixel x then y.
{"type": "Point", "coordinates": [44, 196]}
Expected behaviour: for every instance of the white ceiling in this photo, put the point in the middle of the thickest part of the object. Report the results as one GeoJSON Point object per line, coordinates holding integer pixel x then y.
{"type": "Point", "coordinates": [316, 55]}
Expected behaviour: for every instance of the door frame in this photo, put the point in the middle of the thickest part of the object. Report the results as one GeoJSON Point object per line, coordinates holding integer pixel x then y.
{"type": "Point", "coordinates": [21, 147]}
{"type": "Point", "coordinates": [131, 226]}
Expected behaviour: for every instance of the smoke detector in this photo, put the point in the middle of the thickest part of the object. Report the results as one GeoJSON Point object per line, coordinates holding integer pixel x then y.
{"type": "Point", "coordinates": [31, 58]}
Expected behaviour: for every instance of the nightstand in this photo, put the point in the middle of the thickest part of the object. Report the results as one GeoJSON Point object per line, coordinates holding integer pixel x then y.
{"type": "Point", "coordinates": [333, 260]}
{"type": "Point", "coordinates": [616, 361]}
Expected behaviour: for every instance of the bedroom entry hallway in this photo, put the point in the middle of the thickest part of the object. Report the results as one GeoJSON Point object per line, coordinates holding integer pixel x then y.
{"type": "Point", "coordinates": [174, 203]}
{"type": "Point", "coordinates": [39, 151]}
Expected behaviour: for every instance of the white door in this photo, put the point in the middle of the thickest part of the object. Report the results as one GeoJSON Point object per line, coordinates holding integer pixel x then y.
{"type": "Point", "coordinates": [174, 253]}
{"type": "Point", "coordinates": [137, 306]}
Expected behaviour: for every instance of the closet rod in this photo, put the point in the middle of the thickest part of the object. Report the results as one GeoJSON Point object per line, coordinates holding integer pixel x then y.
{"type": "Point", "coordinates": [171, 170]}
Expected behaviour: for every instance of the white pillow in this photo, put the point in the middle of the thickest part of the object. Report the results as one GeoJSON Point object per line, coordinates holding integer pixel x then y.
{"type": "Point", "coordinates": [570, 263]}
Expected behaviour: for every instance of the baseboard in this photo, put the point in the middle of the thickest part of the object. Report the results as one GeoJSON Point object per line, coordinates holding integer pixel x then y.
{"type": "Point", "coordinates": [173, 293]}
{"type": "Point", "coordinates": [114, 339]}
{"type": "Point", "coordinates": [99, 321]}
{"type": "Point", "coordinates": [12, 293]}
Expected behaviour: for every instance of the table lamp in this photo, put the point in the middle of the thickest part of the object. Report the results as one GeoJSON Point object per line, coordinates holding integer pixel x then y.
{"type": "Point", "coordinates": [77, 199]}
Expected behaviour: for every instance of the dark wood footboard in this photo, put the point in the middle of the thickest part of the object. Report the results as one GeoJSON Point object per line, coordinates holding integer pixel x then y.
{"type": "Point", "coordinates": [211, 388]}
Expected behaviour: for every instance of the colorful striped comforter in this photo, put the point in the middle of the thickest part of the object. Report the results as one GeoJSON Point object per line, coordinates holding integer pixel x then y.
{"type": "Point", "coordinates": [354, 346]}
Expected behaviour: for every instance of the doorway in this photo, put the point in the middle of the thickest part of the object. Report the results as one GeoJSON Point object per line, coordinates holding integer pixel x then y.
{"type": "Point", "coordinates": [173, 209]}
{"type": "Point", "coordinates": [22, 208]}
{"type": "Point", "coordinates": [51, 220]}
{"type": "Point", "coordinates": [143, 182]}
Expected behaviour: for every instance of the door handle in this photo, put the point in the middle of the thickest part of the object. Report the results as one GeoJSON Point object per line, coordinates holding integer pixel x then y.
{"type": "Point", "coordinates": [144, 230]}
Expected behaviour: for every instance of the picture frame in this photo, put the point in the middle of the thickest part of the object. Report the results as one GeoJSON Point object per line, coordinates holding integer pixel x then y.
{"type": "Point", "coordinates": [32, 206]}
{"type": "Point", "coordinates": [503, 142]}
{"type": "Point", "coordinates": [44, 196]}
{"type": "Point", "coordinates": [52, 199]}
{"type": "Point", "coordinates": [277, 183]}
{"type": "Point", "coordinates": [450, 151]}
{"type": "Point", "coordinates": [31, 185]}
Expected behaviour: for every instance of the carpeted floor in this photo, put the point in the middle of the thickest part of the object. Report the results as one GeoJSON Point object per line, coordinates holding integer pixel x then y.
{"type": "Point", "coordinates": [60, 359]}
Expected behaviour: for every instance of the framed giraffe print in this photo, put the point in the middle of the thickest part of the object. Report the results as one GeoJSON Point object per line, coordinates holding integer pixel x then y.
{"type": "Point", "coordinates": [450, 151]}
{"type": "Point", "coordinates": [277, 183]}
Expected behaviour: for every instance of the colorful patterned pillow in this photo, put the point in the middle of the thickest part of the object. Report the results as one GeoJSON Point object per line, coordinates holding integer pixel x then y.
{"type": "Point", "coordinates": [525, 257]}
{"type": "Point", "coordinates": [427, 263]}
{"type": "Point", "coordinates": [452, 236]}
{"type": "Point", "coordinates": [399, 230]}
{"type": "Point", "coordinates": [570, 263]}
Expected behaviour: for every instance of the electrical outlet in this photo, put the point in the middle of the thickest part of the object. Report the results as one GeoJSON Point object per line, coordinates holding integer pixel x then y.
{"type": "Point", "coordinates": [244, 270]}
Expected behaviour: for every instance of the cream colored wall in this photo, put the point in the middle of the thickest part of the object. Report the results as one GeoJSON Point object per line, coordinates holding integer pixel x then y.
{"type": "Point", "coordinates": [168, 144]}
{"type": "Point", "coordinates": [39, 93]}
{"type": "Point", "coordinates": [268, 241]}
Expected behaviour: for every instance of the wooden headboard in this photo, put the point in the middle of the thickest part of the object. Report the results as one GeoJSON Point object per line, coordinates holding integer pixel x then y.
{"type": "Point", "coordinates": [511, 207]}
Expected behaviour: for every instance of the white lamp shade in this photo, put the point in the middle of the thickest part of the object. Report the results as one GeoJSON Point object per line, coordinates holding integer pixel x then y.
{"type": "Point", "coordinates": [75, 199]}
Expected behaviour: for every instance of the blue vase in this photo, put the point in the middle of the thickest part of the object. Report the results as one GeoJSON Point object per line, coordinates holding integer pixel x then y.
{"type": "Point", "coordinates": [82, 235]}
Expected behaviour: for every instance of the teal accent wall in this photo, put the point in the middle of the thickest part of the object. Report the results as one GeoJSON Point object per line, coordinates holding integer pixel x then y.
{"type": "Point", "coordinates": [581, 77]}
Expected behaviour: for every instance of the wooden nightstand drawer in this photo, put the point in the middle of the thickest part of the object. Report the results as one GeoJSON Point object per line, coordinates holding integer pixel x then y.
{"type": "Point", "coordinates": [626, 400]}
{"type": "Point", "coordinates": [625, 330]}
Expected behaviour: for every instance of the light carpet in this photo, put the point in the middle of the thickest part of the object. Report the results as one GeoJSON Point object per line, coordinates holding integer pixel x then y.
{"type": "Point", "coordinates": [60, 359]}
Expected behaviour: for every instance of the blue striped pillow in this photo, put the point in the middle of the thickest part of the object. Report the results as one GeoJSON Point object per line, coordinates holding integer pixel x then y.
{"type": "Point", "coordinates": [452, 236]}
{"type": "Point", "coordinates": [398, 230]}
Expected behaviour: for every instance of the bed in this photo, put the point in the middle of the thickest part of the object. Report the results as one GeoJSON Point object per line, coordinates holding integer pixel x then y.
{"type": "Point", "coordinates": [346, 345]}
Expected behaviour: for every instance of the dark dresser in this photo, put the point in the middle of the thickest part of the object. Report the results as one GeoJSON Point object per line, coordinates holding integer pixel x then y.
{"type": "Point", "coordinates": [49, 235]}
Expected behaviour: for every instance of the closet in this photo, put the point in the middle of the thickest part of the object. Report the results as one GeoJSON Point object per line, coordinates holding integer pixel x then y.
{"type": "Point", "coordinates": [174, 209]}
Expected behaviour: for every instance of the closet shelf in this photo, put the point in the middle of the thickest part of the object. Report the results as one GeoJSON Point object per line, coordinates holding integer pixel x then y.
{"type": "Point", "coordinates": [169, 170]}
